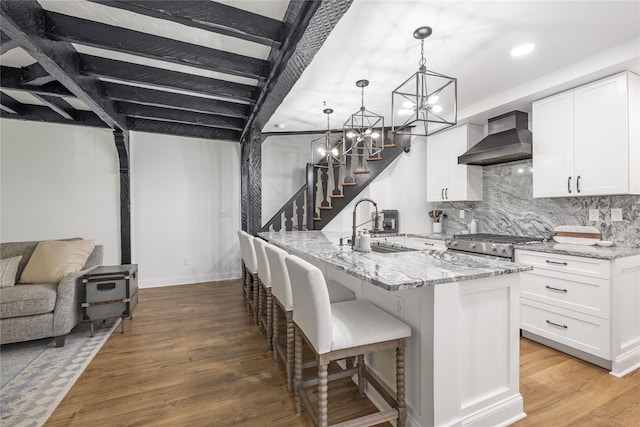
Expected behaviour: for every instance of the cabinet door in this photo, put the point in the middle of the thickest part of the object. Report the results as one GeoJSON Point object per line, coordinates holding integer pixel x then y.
{"type": "Point", "coordinates": [437, 167]}
{"type": "Point", "coordinates": [553, 154]}
{"type": "Point", "coordinates": [601, 137]}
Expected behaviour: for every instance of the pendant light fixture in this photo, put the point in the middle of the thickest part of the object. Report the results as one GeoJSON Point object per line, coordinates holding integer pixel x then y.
{"type": "Point", "coordinates": [327, 149]}
{"type": "Point", "coordinates": [362, 131]}
{"type": "Point", "coordinates": [426, 102]}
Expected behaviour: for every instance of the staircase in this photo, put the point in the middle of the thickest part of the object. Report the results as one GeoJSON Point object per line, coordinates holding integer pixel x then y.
{"type": "Point", "coordinates": [329, 188]}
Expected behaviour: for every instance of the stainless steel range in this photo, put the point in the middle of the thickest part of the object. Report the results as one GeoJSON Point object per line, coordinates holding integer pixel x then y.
{"type": "Point", "coordinates": [495, 245]}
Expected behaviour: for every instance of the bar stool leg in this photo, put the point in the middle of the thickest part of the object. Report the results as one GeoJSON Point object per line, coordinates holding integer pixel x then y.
{"type": "Point", "coordinates": [260, 304]}
{"type": "Point", "coordinates": [402, 410]}
{"type": "Point", "coordinates": [256, 295]}
{"type": "Point", "coordinates": [274, 342]}
{"type": "Point", "coordinates": [290, 350]}
{"type": "Point", "coordinates": [323, 394]}
{"type": "Point", "coordinates": [269, 319]}
{"type": "Point", "coordinates": [361, 378]}
{"type": "Point", "coordinates": [298, 370]}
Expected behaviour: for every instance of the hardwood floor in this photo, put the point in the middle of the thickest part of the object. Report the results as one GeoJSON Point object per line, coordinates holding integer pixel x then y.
{"type": "Point", "coordinates": [192, 357]}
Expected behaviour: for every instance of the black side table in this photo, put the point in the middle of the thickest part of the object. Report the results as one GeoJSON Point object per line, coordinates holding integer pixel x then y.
{"type": "Point", "coordinates": [111, 292]}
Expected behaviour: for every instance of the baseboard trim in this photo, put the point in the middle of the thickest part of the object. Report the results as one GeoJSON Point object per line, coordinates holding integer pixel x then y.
{"type": "Point", "coordinates": [626, 363]}
{"type": "Point", "coordinates": [185, 280]}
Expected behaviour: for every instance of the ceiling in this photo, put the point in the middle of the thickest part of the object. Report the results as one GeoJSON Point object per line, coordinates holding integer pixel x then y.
{"type": "Point", "coordinates": [214, 69]}
{"type": "Point", "coordinates": [576, 42]}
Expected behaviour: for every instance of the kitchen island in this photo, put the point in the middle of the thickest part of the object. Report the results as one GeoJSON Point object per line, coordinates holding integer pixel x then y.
{"type": "Point", "coordinates": [462, 364]}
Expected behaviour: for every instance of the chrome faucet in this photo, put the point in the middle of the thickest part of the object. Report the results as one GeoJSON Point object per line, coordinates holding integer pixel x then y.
{"type": "Point", "coordinates": [353, 227]}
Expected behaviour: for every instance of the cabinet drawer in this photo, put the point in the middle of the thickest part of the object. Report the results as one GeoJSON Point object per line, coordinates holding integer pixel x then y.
{"type": "Point", "coordinates": [565, 263]}
{"type": "Point", "coordinates": [108, 290]}
{"type": "Point", "coordinates": [587, 333]}
{"type": "Point", "coordinates": [585, 294]}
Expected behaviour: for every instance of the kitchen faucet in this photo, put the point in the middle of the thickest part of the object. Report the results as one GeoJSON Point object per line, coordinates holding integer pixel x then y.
{"type": "Point", "coordinates": [353, 227]}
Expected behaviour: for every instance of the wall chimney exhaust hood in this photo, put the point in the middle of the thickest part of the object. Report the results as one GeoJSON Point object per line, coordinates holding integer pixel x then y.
{"type": "Point", "coordinates": [509, 139]}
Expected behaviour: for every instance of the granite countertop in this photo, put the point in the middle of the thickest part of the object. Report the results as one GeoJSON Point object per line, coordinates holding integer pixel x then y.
{"type": "Point", "coordinates": [392, 271]}
{"type": "Point", "coordinates": [598, 252]}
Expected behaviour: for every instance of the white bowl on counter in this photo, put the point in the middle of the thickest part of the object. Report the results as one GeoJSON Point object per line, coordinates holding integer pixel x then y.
{"type": "Point", "coordinates": [604, 243]}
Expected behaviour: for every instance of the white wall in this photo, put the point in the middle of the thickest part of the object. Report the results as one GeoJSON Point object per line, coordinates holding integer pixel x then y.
{"type": "Point", "coordinates": [59, 181]}
{"type": "Point", "coordinates": [401, 186]}
{"type": "Point", "coordinates": [185, 209]}
{"type": "Point", "coordinates": [284, 159]}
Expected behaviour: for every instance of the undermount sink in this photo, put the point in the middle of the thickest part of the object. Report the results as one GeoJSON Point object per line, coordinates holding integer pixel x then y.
{"type": "Point", "coordinates": [384, 249]}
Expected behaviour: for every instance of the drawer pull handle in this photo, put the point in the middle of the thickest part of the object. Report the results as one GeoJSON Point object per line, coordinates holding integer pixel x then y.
{"type": "Point", "coordinates": [106, 286]}
{"type": "Point", "coordinates": [551, 288]}
{"type": "Point", "coordinates": [429, 244]}
{"type": "Point", "coordinates": [559, 326]}
{"type": "Point", "coordinates": [556, 262]}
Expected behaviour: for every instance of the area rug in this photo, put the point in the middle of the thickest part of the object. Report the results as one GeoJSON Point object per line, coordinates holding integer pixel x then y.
{"type": "Point", "coordinates": [35, 376]}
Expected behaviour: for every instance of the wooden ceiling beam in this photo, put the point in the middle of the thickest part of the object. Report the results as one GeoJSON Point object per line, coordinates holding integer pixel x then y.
{"type": "Point", "coordinates": [10, 105]}
{"type": "Point", "coordinates": [36, 75]}
{"type": "Point", "coordinates": [21, 21]}
{"type": "Point", "coordinates": [210, 16]}
{"type": "Point", "coordinates": [11, 78]}
{"type": "Point", "coordinates": [77, 30]}
{"type": "Point", "coordinates": [58, 105]}
{"type": "Point", "coordinates": [181, 129]}
{"type": "Point", "coordinates": [179, 116]}
{"type": "Point", "coordinates": [159, 98]}
{"type": "Point", "coordinates": [135, 73]}
{"type": "Point", "coordinates": [38, 113]}
{"type": "Point", "coordinates": [6, 44]}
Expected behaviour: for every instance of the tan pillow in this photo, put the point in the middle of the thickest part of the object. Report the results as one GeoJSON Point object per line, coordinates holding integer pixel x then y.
{"type": "Point", "coordinates": [8, 271]}
{"type": "Point", "coordinates": [54, 259]}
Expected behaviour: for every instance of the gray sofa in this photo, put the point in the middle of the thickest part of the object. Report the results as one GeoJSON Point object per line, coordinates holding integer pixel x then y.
{"type": "Point", "coordinates": [29, 312]}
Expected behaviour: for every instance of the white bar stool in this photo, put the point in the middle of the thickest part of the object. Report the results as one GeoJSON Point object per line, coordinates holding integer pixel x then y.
{"type": "Point", "coordinates": [341, 330]}
{"type": "Point", "coordinates": [250, 286]}
{"type": "Point", "coordinates": [283, 302]}
{"type": "Point", "coordinates": [264, 286]}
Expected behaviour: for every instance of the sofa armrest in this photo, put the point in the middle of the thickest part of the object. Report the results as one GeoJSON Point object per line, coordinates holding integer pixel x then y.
{"type": "Point", "coordinates": [68, 311]}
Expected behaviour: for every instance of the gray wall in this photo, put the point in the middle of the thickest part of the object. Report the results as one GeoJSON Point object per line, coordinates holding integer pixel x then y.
{"type": "Point", "coordinates": [508, 207]}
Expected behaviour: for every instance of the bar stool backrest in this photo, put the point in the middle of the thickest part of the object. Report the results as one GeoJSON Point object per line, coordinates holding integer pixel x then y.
{"type": "Point", "coordinates": [264, 272]}
{"type": "Point", "coordinates": [247, 251]}
{"type": "Point", "coordinates": [311, 304]}
{"type": "Point", "coordinates": [280, 284]}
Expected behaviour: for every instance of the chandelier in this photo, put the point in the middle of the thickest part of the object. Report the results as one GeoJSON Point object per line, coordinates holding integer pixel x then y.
{"type": "Point", "coordinates": [359, 133]}
{"type": "Point", "coordinates": [426, 102]}
{"type": "Point", "coordinates": [326, 150]}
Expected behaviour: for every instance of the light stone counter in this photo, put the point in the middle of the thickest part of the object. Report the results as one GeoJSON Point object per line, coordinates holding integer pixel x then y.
{"type": "Point", "coordinates": [597, 252]}
{"type": "Point", "coordinates": [392, 271]}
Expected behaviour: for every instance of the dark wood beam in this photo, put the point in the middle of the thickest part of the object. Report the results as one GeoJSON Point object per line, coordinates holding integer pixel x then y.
{"type": "Point", "coordinates": [6, 44]}
{"type": "Point", "coordinates": [11, 78]}
{"type": "Point", "coordinates": [71, 29]}
{"type": "Point", "coordinates": [299, 13]}
{"type": "Point", "coordinates": [159, 98]}
{"type": "Point", "coordinates": [10, 105]}
{"type": "Point", "coordinates": [126, 71]}
{"type": "Point", "coordinates": [299, 56]}
{"type": "Point", "coordinates": [210, 16]}
{"type": "Point", "coordinates": [58, 105]}
{"type": "Point", "coordinates": [179, 116]}
{"type": "Point", "coordinates": [181, 129]}
{"type": "Point", "coordinates": [38, 113]}
{"type": "Point", "coordinates": [36, 75]}
{"type": "Point", "coordinates": [21, 21]}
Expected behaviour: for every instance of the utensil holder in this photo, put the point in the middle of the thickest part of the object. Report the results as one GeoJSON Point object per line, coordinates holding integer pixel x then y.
{"type": "Point", "coordinates": [437, 227]}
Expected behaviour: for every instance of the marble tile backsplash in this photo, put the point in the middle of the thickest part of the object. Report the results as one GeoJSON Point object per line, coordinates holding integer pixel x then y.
{"type": "Point", "coordinates": [508, 207]}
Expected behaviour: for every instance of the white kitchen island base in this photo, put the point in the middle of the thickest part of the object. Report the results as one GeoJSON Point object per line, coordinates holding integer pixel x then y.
{"type": "Point", "coordinates": [462, 365]}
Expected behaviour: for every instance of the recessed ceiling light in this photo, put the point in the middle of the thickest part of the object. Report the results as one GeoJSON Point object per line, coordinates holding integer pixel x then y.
{"type": "Point", "coordinates": [523, 49]}
{"type": "Point", "coordinates": [280, 125]}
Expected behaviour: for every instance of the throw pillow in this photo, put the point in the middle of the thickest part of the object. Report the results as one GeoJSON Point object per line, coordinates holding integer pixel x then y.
{"type": "Point", "coordinates": [8, 271]}
{"type": "Point", "coordinates": [53, 260]}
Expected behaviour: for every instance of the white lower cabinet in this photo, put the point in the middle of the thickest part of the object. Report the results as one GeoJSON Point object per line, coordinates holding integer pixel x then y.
{"type": "Point", "coordinates": [586, 307]}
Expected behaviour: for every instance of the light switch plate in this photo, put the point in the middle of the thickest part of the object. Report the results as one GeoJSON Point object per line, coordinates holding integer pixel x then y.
{"type": "Point", "coordinates": [616, 214]}
{"type": "Point", "coordinates": [461, 213]}
{"type": "Point", "coordinates": [594, 214]}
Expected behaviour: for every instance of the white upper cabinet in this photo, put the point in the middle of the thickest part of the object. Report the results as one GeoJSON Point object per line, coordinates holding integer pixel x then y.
{"type": "Point", "coordinates": [446, 179]}
{"type": "Point", "coordinates": [586, 141]}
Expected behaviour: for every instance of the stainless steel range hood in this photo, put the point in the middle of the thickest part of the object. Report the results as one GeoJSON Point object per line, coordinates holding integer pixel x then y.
{"type": "Point", "coordinates": [509, 139]}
